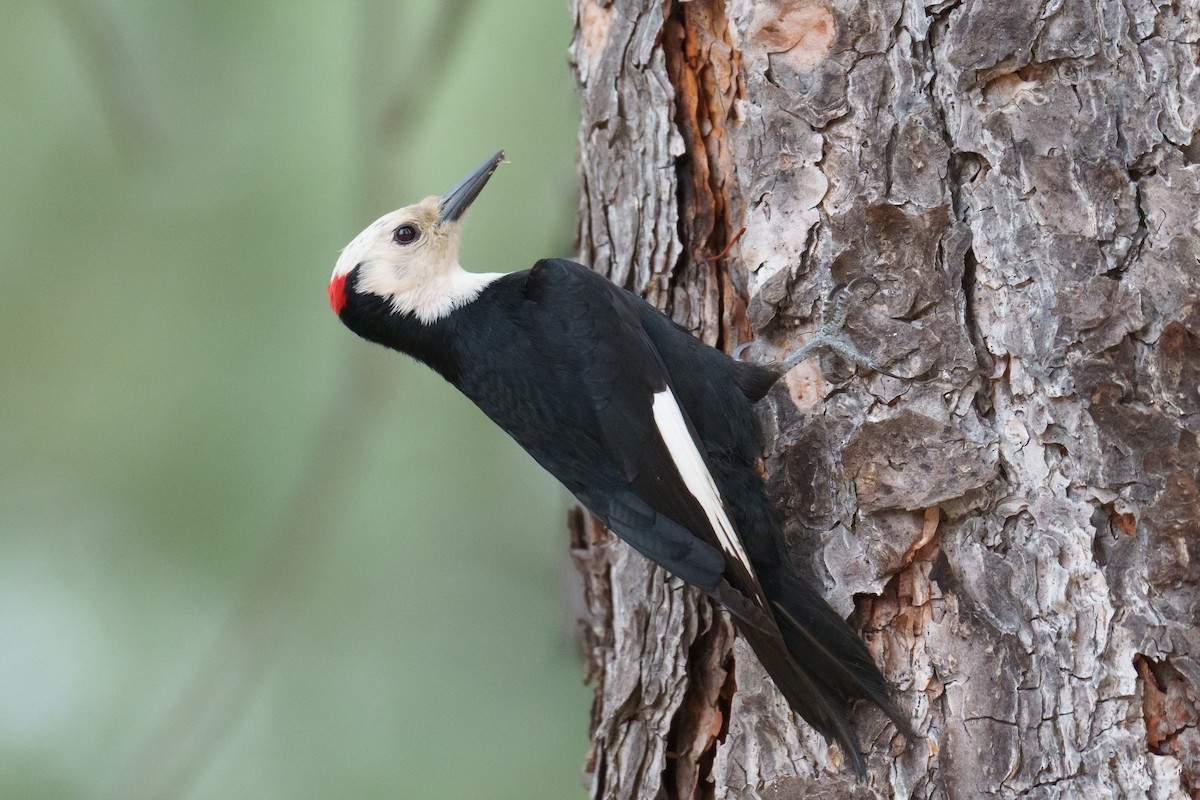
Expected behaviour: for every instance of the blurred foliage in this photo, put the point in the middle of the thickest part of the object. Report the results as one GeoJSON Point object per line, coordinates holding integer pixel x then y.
{"type": "Point", "coordinates": [242, 553]}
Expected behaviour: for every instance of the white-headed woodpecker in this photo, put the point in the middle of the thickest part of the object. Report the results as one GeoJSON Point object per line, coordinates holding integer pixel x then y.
{"type": "Point", "coordinates": [649, 428]}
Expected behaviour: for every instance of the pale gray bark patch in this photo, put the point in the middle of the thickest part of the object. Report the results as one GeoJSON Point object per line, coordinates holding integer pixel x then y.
{"type": "Point", "coordinates": [630, 214]}
{"type": "Point", "coordinates": [1015, 523]}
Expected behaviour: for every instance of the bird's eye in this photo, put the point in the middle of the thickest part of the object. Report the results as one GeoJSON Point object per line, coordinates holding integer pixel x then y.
{"type": "Point", "coordinates": [405, 234]}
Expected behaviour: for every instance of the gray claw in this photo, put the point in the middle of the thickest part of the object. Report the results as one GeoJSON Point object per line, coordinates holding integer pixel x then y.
{"type": "Point", "coordinates": [831, 332]}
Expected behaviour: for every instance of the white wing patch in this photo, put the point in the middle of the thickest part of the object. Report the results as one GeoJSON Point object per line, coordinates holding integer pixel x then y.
{"type": "Point", "coordinates": [696, 477]}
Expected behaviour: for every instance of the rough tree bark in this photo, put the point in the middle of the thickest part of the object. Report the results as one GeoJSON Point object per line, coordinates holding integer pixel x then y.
{"type": "Point", "coordinates": [1015, 524]}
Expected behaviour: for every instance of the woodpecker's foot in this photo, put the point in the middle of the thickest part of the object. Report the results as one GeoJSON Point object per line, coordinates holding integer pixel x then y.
{"type": "Point", "coordinates": [832, 333]}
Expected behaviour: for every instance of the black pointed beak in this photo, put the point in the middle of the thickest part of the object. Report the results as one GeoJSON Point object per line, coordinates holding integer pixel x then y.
{"type": "Point", "coordinates": [456, 201]}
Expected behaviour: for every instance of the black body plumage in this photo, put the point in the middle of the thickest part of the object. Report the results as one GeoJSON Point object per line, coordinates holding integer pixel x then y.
{"type": "Point", "coordinates": [569, 365]}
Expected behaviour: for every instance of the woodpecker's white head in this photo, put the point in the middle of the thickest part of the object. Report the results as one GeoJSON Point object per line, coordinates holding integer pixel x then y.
{"type": "Point", "coordinates": [409, 257]}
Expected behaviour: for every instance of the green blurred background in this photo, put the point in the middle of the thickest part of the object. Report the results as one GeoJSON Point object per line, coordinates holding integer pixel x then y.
{"type": "Point", "coordinates": [243, 553]}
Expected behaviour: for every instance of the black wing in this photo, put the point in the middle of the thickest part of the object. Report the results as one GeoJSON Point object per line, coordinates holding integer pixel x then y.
{"type": "Point", "coordinates": [588, 418]}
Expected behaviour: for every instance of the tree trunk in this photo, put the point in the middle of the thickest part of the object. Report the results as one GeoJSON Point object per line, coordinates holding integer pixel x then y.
{"type": "Point", "coordinates": [1014, 523]}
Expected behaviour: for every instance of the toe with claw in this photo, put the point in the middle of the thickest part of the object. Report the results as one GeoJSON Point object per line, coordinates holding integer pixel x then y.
{"type": "Point", "coordinates": [832, 333]}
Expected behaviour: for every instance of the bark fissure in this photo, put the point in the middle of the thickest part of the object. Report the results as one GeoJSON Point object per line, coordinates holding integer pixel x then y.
{"type": "Point", "coordinates": [704, 68]}
{"type": "Point", "coordinates": [701, 723]}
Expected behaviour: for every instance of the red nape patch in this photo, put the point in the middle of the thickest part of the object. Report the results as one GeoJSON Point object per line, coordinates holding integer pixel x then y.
{"type": "Point", "coordinates": [337, 293]}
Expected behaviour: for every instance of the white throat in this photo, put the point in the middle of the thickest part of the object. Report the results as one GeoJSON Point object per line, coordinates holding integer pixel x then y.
{"type": "Point", "coordinates": [431, 296]}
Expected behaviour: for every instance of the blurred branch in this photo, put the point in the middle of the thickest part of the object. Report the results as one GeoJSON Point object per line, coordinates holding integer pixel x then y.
{"type": "Point", "coordinates": [213, 701]}
{"type": "Point", "coordinates": [108, 62]}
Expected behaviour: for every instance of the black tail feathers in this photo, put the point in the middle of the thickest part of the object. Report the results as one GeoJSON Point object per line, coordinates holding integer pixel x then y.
{"type": "Point", "coordinates": [820, 665]}
{"type": "Point", "coordinates": [823, 645]}
{"type": "Point", "coordinates": [818, 662]}
{"type": "Point", "coordinates": [804, 693]}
